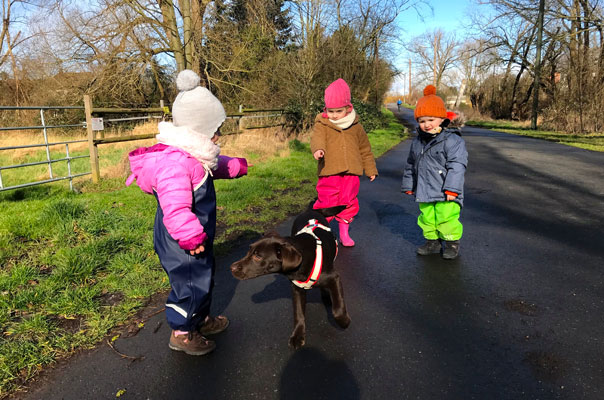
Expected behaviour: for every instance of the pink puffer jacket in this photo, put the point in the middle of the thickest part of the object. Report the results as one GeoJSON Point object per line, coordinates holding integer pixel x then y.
{"type": "Point", "coordinates": [174, 174]}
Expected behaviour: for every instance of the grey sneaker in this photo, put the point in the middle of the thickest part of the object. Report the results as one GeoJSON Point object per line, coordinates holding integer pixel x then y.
{"type": "Point", "coordinates": [192, 343]}
{"type": "Point", "coordinates": [430, 247]}
{"type": "Point", "coordinates": [451, 249]}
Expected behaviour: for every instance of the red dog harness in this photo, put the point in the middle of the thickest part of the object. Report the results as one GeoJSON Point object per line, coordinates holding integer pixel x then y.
{"type": "Point", "coordinates": [316, 269]}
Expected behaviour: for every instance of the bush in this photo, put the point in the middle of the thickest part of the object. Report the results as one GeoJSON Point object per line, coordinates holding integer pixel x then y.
{"type": "Point", "coordinates": [370, 116]}
{"type": "Point", "coordinates": [301, 117]}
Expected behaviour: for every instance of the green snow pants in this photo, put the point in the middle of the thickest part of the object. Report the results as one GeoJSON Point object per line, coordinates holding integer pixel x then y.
{"type": "Point", "coordinates": [440, 220]}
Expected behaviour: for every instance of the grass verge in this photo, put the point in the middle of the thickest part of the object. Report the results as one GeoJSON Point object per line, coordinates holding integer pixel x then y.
{"type": "Point", "coordinates": [74, 267]}
{"type": "Point", "coordinates": [591, 141]}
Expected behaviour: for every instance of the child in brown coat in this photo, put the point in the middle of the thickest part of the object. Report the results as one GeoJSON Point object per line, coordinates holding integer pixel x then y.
{"type": "Point", "coordinates": [342, 148]}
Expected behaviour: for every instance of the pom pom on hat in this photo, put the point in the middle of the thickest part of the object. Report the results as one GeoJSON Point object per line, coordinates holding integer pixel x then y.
{"type": "Point", "coordinates": [337, 94]}
{"type": "Point", "coordinates": [429, 90]}
{"type": "Point", "coordinates": [430, 105]}
{"type": "Point", "coordinates": [196, 107]}
{"type": "Point", "coordinates": [187, 80]}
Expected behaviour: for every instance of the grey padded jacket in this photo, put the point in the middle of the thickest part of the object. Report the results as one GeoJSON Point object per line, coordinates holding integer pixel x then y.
{"type": "Point", "coordinates": [436, 166]}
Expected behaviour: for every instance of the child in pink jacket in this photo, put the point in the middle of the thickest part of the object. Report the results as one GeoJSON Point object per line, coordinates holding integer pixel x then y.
{"type": "Point", "coordinates": [180, 171]}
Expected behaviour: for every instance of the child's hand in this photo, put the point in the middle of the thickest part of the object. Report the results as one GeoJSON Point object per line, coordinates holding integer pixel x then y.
{"type": "Point", "coordinates": [450, 196]}
{"type": "Point", "coordinates": [371, 178]}
{"type": "Point", "coordinates": [198, 250]}
{"type": "Point", "coordinates": [318, 154]}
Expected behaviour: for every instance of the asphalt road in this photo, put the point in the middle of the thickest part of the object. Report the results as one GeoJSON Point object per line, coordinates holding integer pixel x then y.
{"type": "Point", "coordinates": [517, 316]}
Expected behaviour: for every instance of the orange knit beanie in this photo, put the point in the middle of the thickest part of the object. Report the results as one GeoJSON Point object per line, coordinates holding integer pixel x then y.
{"type": "Point", "coordinates": [430, 105]}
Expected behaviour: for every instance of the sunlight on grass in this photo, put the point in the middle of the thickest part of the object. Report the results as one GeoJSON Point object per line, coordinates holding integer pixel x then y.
{"type": "Point", "coordinates": [590, 141]}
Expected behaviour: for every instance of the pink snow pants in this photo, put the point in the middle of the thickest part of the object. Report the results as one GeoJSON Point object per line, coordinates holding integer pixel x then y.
{"type": "Point", "coordinates": [338, 190]}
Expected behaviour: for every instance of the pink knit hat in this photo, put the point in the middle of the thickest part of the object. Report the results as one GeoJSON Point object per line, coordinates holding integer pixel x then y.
{"type": "Point", "coordinates": [337, 94]}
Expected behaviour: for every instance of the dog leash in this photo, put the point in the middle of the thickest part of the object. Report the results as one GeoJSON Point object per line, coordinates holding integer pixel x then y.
{"type": "Point", "coordinates": [318, 265]}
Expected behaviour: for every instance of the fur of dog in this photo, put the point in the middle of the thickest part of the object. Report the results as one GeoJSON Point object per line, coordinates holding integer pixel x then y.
{"type": "Point", "coordinates": [294, 257]}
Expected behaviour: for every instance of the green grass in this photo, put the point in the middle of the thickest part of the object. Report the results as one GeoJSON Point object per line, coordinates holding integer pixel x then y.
{"type": "Point", "coordinates": [75, 267]}
{"type": "Point", "coordinates": [592, 141]}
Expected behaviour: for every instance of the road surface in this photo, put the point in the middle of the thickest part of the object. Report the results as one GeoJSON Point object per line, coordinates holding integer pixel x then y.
{"type": "Point", "coordinates": [519, 315]}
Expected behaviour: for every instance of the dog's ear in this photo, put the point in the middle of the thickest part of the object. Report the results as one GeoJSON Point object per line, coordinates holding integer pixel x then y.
{"type": "Point", "coordinates": [290, 257]}
{"type": "Point", "coordinates": [311, 205]}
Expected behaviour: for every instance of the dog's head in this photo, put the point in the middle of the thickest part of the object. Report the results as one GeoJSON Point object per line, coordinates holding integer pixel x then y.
{"type": "Point", "coordinates": [268, 255]}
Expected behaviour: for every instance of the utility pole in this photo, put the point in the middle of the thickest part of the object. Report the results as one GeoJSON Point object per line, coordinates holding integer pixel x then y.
{"type": "Point", "coordinates": [409, 99]}
{"type": "Point", "coordinates": [537, 64]}
{"type": "Point", "coordinates": [434, 62]}
{"type": "Point", "coordinates": [375, 71]}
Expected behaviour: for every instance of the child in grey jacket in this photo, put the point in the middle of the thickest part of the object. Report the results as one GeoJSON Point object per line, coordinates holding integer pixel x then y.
{"type": "Point", "coordinates": [435, 175]}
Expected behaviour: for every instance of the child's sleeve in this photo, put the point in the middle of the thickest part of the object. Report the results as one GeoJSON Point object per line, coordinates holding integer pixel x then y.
{"type": "Point", "coordinates": [317, 139]}
{"type": "Point", "coordinates": [366, 154]}
{"type": "Point", "coordinates": [408, 184]}
{"type": "Point", "coordinates": [230, 167]}
{"type": "Point", "coordinates": [175, 195]}
{"type": "Point", "coordinates": [457, 160]}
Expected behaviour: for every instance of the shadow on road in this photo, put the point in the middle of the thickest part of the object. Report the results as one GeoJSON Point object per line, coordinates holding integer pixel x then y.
{"type": "Point", "coordinates": [309, 374]}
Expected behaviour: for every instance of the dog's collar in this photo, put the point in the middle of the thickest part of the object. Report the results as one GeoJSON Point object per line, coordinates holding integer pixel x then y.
{"type": "Point", "coordinates": [318, 265]}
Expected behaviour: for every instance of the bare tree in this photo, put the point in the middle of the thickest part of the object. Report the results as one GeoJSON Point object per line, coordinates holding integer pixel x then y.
{"type": "Point", "coordinates": [573, 55]}
{"type": "Point", "coordinates": [10, 40]}
{"type": "Point", "coordinates": [437, 53]}
{"type": "Point", "coordinates": [474, 63]}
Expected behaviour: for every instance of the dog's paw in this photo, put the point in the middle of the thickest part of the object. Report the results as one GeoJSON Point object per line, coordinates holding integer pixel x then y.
{"type": "Point", "coordinates": [297, 341]}
{"type": "Point", "coordinates": [343, 320]}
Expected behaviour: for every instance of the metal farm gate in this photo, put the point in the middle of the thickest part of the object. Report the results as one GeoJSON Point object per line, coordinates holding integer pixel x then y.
{"type": "Point", "coordinates": [94, 125]}
{"type": "Point", "coordinates": [44, 128]}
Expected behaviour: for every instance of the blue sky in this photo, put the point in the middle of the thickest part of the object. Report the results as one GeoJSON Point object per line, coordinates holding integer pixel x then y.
{"type": "Point", "coordinates": [448, 15]}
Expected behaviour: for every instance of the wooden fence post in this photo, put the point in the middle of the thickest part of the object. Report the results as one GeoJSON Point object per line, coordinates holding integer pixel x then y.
{"type": "Point", "coordinates": [92, 147]}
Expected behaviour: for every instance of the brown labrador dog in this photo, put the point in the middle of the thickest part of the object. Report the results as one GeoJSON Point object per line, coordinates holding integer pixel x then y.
{"type": "Point", "coordinates": [306, 259]}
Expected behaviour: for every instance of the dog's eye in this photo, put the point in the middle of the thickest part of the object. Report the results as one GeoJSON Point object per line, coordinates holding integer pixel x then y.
{"type": "Point", "coordinates": [278, 252]}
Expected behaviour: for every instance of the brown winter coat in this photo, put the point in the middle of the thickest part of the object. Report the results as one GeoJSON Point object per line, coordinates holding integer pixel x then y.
{"type": "Point", "coordinates": [347, 151]}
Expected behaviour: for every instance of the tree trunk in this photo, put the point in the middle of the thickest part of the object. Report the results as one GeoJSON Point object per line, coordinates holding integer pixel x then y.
{"type": "Point", "coordinates": [460, 93]}
{"type": "Point", "coordinates": [513, 101]}
{"type": "Point", "coordinates": [171, 30]}
{"type": "Point", "coordinates": [527, 47]}
{"type": "Point", "coordinates": [537, 65]}
{"type": "Point", "coordinates": [601, 57]}
{"type": "Point", "coordinates": [185, 10]}
{"type": "Point", "coordinates": [9, 51]}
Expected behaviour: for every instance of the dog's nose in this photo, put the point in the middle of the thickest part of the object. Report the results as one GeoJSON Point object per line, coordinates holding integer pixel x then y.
{"type": "Point", "coordinates": [235, 267]}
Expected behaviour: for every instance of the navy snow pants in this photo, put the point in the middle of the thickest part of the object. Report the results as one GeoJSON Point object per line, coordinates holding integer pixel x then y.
{"type": "Point", "coordinates": [191, 277]}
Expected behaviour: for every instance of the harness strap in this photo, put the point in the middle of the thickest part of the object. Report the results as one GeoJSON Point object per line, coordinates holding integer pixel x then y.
{"type": "Point", "coordinates": [318, 265]}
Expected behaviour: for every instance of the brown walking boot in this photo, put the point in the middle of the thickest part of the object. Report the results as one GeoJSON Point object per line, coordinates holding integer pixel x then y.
{"type": "Point", "coordinates": [213, 325]}
{"type": "Point", "coordinates": [191, 343]}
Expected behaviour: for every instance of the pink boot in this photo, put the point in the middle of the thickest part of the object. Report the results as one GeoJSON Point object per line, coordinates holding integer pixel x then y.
{"type": "Point", "coordinates": [344, 237]}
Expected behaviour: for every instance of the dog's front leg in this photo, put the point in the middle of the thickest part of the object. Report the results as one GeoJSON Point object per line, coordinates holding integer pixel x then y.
{"type": "Point", "coordinates": [298, 337]}
{"type": "Point", "coordinates": [338, 306]}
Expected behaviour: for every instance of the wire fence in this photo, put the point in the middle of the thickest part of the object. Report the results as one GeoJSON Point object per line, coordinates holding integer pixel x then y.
{"type": "Point", "coordinates": [96, 119]}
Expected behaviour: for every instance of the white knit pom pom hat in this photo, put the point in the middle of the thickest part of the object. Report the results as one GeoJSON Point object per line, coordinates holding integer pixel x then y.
{"type": "Point", "coordinates": [196, 107]}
